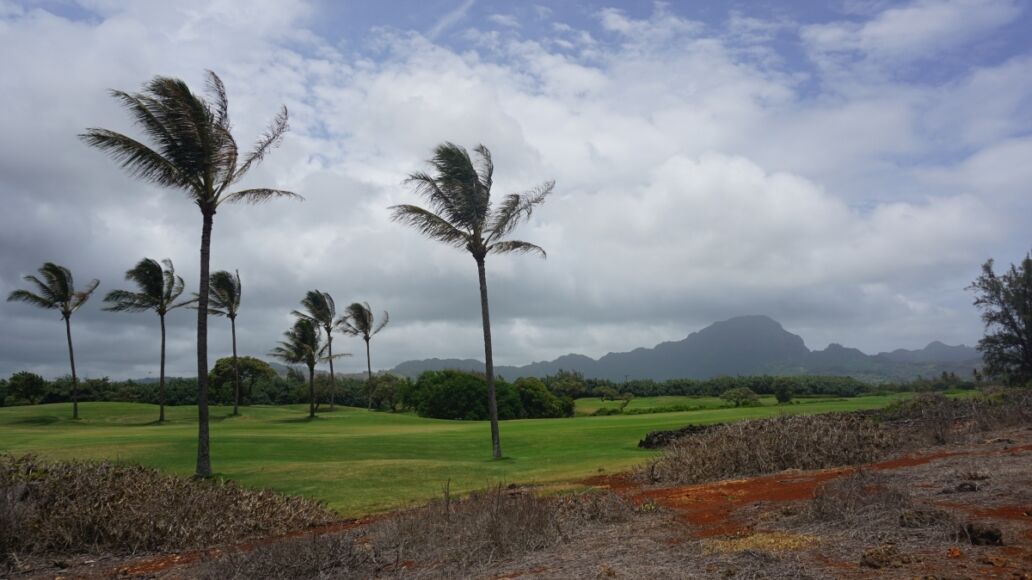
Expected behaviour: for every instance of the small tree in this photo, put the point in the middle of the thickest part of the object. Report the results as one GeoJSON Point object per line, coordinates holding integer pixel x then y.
{"type": "Point", "coordinates": [783, 390]}
{"type": "Point", "coordinates": [358, 320]}
{"type": "Point", "coordinates": [248, 370]}
{"type": "Point", "coordinates": [606, 393]}
{"type": "Point", "coordinates": [224, 292]}
{"type": "Point", "coordinates": [1005, 300]}
{"type": "Point", "coordinates": [27, 386]}
{"type": "Point", "coordinates": [741, 396]}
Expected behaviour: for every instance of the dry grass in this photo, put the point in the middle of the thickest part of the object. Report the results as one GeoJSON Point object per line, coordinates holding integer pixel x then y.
{"type": "Point", "coordinates": [770, 445]}
{"type": "Point", "coordinates": [50, 507]}
{"type": "Point", "coordinates": [807, 442]}
{"type": "Point", "coordinates": [447, 538]}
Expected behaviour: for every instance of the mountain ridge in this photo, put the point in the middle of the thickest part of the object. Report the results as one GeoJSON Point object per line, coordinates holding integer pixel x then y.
{"type": "Point", "coordinates": [743, 345]}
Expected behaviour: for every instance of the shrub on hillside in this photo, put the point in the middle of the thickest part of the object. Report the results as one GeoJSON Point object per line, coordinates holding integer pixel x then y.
{"type": "Point", "coordinates": [51, 507]}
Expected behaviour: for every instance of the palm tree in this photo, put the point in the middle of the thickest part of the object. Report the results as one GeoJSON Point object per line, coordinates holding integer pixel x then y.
{"type": "Point", "coordinates": [57, 292]}
{"type": "Point", "coordinates": [359, 322]}
{"type": "Point", "coordinates": [322, 311]}
{"type": "Point", "coordinates": [302, 345]}
{"type": "Point", "coordinates": [159, 289]}
{"type": "Point", "coordinates": [224, 297]}
{"type": "Point", "coordinates": [461, 215]}
{"type": "Point", "coordinates": [194, 150]}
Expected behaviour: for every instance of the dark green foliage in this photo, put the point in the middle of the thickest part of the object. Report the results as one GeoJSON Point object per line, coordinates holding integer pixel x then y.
{"type": "Point", "coordinates": [741, 396]}
{"type": "Point", "coordinates": [783, 390]}
{"type": "Point", "coordinates": [3, 391]}
{"type": "Point", "coordinates": [1005, 300]}
{"type": "Point", "coordinates": [539, 402]}
{"type": "Point", "coordinates": [570, 383]}
{"type": "Point", "coordinates": [252, 370]}
{"type": "Point", "coordinates": [386, 391]}
{"type": "Point", "coordinates": [459, 395]}
{"type": "Point", "coordinates": [27, 387]}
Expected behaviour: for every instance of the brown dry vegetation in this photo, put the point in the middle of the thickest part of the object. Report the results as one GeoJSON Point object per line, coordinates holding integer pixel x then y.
{"type": "Point", "coordinates": [58, 509]}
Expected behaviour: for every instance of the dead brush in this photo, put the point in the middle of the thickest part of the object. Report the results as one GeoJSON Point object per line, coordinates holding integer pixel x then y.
{"type": "Point", "coordinates": [938, 419]}
{"type": "Point", "coordinates": [866, 505]}
{"type": "Point", "coordinates": [89, 507]}
{"type": "Point", "coordinates": [320, 556]}
{"type": "Point", "coordinates": [477, 530]}
{"type": "Point", "coordinates": [770, 445]}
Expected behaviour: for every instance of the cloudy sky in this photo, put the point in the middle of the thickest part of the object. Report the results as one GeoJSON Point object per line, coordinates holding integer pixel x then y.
{"type": "Point", "coordinates": [844, 167]}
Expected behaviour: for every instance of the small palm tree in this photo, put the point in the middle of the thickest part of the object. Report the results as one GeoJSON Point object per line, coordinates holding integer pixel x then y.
{"type": "Point", "coordinates": [159, 289]}
{"type": "Point", "coordinates": [57, 292]}
{"type": "Point", "coordinates": [303, 345]}
{"type": "Point", "coordinates": [358, 321]}
{"type": "Point", "coordinates": [460, 215]}
{"type": "Point", "coordinates": [194, 150]}
{"type": "Point", "coordinates": [224, 298]}
{"type": "Point", "coordinates": [322, 311]}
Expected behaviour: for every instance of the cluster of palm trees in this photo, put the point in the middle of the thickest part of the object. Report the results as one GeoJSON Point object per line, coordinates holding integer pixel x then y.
{"type": "Point", "coordinates": [303, 343]}
{"type": "Point", "coordinates": [191, 148]}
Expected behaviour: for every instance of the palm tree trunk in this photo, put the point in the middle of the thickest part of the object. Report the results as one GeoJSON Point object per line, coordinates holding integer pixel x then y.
{"type": "Point", "coordinates": [311, 392]}
{"type": "Point", "coordinates": [492, 402]}
{"type": "Point", "coordinates": [161, 374]}
{"type": "Point", "coordinates": [203, 448]}
{"type": "Point", "coordinates": [369, 376]}
{"type": "Point", "coordinates": [236, 370]}
{"type": "Point", "coordinates": [71, 359]}
{"type": "Point", "coordinates": [333, 379]}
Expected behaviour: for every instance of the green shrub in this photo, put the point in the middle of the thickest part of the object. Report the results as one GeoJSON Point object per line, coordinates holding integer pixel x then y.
{"type": "Point", "coordinates": [539, 402]}
{"type": "Point", "coordinates": [741, 397]}
{"type": "Point", "coordinates": [454, 394]}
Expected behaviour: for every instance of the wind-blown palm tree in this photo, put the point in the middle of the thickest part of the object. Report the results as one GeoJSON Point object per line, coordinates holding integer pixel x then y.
{"type": "Point", "coordinates": [159, 289]}
{"type": "Point", "coordinates": [57, 292]}
{"type": "Point", "coordinates": [358, 321]}
{"type": "Point", "coordinates": [193, 150]}
{"type": "Point", "coordinates": [460, 215]}
{"type": "Point", "coordinates": [321, 310]}
{"type": "Point", "coordinates": [303, 344]}
{"type": "Point", "coordinates": [224, 299]}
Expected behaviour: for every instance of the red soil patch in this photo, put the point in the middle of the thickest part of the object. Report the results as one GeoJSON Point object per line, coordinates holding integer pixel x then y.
{"type": "Point", "coordinates": [710, 507]}
{"type": "Point", "coordinates": [151, 566]}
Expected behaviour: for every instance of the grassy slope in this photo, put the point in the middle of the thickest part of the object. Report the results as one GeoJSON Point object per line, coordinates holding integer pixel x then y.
{"type": "Point", "coordinates": [358, 461]}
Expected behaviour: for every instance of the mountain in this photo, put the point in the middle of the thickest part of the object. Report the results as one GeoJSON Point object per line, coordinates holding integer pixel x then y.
{"type": "Point", "coordinates": [745, 345]}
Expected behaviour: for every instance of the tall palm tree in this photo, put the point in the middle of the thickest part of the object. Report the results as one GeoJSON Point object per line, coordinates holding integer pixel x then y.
{"type": "Point", "coordinates": [303, 344]}
{"type": "Point", "coordinates": [193, 150]}
{"type": "Point", "coordinates": [460, 214]}
{"type": "Point", "coordinates": [57, 292]}
{"type": "Point", "coordinates": [358, 321]}
{"type": "Point", "coordinates": [322, 311]}
{"type": "Point", "coordinates": [159, 289]}
{"type": "Point", "coordinates": [224, 299]}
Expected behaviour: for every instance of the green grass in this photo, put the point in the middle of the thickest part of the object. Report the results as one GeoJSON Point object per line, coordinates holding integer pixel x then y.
{"type": "Point", "coordinates": [358, 461]}
{"type": "Point", "coordinates": [589, 405]}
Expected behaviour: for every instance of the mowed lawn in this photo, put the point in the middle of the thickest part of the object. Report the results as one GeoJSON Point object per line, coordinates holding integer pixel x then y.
{"type": "Point", "coordinates": [357, 461]}
{"type": "Point", "coordinates": [588, 405]}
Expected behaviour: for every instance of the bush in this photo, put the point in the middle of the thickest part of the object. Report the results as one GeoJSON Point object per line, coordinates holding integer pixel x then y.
{"type": "Point", "coordinates": [454, 394]}
{"type": "Point", "coordinates": [26, 386]}
{"type": "Point", "coordinates": [86, 507]}
{"type": "Point", "coordinates": [741, 397]}
{"type": "Point", "coordinates": [539, 402]}
{"type": "Point", "coordinates": [783, 390]}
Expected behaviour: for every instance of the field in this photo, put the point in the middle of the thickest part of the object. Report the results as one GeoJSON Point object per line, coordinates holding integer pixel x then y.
{"type": "Point", "coordinates": [361, 462]}
{"type": "Point", "coordinates": [588, 405]}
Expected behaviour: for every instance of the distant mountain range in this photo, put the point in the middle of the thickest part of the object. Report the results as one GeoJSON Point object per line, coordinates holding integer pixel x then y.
{"type": "Point", "coordinates": [746, 345]}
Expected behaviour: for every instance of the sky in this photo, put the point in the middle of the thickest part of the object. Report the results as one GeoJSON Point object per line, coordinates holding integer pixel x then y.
{"type": "Point", "coordinates": [844, 167]}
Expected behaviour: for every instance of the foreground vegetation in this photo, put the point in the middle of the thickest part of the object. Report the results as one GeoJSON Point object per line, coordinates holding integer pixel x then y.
{"type": "Point", "coordinates": [359, 461]}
